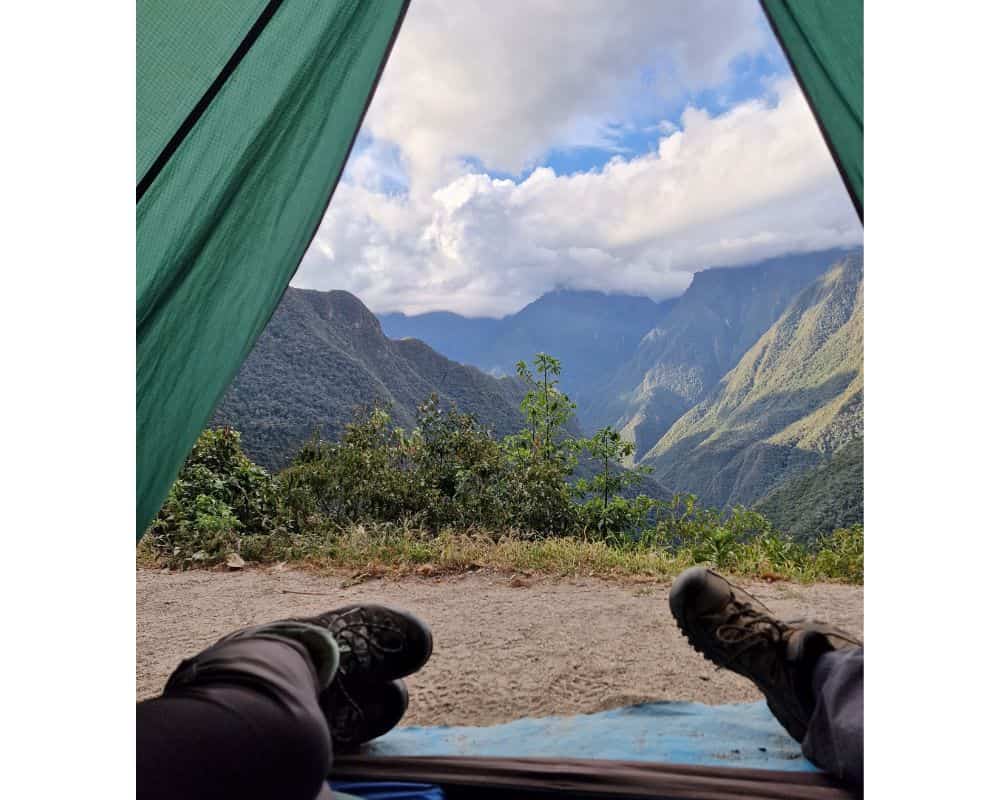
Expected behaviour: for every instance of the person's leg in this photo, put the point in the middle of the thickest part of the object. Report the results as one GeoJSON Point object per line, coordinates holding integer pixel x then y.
{"type": "Point", "coordinates": [835, 738]}
{"type": "Point", "coordinates": [261, 713]}
{"type": "Point", "coordinates": [812, 683]}
{"type": "Point", "coordinates": [241, 720]}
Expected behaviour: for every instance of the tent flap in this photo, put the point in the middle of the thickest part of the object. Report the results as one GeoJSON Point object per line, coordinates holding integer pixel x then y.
{"type": "Point", "coordinates": [245, 118]}
{"type": "Point", "coordinates": [824, 42]}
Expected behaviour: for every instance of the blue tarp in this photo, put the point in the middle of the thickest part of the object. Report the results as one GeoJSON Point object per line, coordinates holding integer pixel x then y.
{"type": "Point", "coordinates": [738, 735]}
{"type": "Point", "coordinates": [383, 790]}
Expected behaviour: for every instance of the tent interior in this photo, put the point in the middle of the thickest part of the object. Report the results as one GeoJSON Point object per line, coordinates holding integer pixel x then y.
{"type": "Point", "coordinates": [245, 117]}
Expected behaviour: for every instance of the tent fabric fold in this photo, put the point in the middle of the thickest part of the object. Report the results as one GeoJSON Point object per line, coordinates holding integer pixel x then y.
{"type": "Point", "coordinates": [824, 43]}
{"type": "Point", "coordinates": [246, 114]}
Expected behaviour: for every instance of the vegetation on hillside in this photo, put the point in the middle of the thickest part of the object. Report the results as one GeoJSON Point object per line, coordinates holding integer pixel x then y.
{"type": "Point", "coordinates": [680, 361]}
{"type": "Point", "coordinates": [828, 497]}
{"type": "Point", "coordinates": [450, 494]}
{"type": "Point", "coordinates": [322, 355]}
{"type": "Point", "coordinates": [788, 405]}
{"type": "Point", "coordinates": [752, 377]}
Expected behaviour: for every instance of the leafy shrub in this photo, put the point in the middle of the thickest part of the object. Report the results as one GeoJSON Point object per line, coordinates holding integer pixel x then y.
{"type": "Point", "coordinates": [459, 470]}
{"type": "Point", "coordinates": [448, 471]}
{"type": "Point", "coordinates": [541, 458]}
{"type": "Point", "coordinates": [219, 498]}
{"type": "Point", "coordinates": [841, 554]}
{"type": "Point", "coordinates": [604, 511]}
{"type": "Point", "coordinates": [358, 478]}
{"type": "Point", "coordinates": [618, 521]}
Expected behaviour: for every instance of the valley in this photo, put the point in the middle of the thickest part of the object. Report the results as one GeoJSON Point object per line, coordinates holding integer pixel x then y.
{"type": "Point", "coordinates": [745, 390]}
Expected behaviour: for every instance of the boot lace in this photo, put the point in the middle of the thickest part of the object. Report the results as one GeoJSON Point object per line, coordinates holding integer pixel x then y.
{"type": "Point", "coordinates": [745, 628]}
{"type": "Point", "coordinates": [365, 638]}
{"type": "Point", "coordinates": [346, 714]}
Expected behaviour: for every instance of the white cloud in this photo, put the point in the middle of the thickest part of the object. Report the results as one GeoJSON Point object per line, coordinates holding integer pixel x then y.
{"type": "Point", "coordinates": [505, 82]}
{"type": "Point", "coordinates": [414, 227]}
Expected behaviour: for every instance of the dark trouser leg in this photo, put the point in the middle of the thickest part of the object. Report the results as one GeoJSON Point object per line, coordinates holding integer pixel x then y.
{"type": "Point", "coordinates": [241, 720]}
{"type": "Point", "coordinates": [835, 738]}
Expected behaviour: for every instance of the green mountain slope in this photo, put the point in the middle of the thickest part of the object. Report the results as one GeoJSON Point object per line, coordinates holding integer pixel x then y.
{"type": "Point", "coordinates": [827, 497]}
{"type": "Point", "coordinates": [792, 400]}
{"type": "Point", "coordinates": [323, 355]}
{"type": "Point", "coordinates": [703, 335]}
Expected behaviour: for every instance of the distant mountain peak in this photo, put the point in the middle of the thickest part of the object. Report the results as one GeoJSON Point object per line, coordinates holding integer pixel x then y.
{"type": "Point", "coordinates": [590, 331]}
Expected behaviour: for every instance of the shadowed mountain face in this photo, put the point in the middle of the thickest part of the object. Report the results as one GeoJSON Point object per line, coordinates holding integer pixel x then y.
{"type": "Point", "coordinates": [323, 355]}
{"type": "Point", "coordinates": [793, 399]}
{"type": "Point", "coordinates": [591, 333]}
{"type": "Point", "coordinates": [707, 330]}
{"type": "Point", "coordinates": [827, 497]}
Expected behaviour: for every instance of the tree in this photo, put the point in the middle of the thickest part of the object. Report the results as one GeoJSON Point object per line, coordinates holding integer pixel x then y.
{"type": "Point", "coordinates": [459, 468]}
{"type": "Point", "coordinates": [604, 509]}
{"type": "Point", "coordinates": [608, 448]}
{"type": "Point", "coordinates": [547, 411]}
{"type": "Point", "coordinates": [543, 456]}
{"type": "Point", "coordinates": [219, 499]}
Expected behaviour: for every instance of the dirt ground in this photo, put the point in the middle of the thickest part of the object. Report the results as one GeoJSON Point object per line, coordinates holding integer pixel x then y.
{"type": "Point", "coordinates": [504, 647]}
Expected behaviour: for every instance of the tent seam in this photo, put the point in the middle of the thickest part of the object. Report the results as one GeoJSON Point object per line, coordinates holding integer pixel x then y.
{"type": "Point", "coordinates": [199, 109]}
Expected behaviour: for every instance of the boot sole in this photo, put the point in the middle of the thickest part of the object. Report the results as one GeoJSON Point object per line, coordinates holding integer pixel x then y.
{"type": "Point", "coordinates": [681, 592]}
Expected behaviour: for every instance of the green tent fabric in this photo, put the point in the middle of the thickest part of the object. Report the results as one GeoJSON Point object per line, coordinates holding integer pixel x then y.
{"type": "Point", "coordinates": [245, 115]}
{"type": "Point", "coordinates": [824, 42]}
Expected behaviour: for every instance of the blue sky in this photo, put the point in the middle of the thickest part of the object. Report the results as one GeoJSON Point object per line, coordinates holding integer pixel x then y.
{"type": "Point", "coordinates": [751, 76]}
{"type": "Point", "coordinates": [517, 147]}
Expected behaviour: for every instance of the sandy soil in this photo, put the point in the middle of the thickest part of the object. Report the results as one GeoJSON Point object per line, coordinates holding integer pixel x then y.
{"type": "Point", "coordinates": [504, 648]}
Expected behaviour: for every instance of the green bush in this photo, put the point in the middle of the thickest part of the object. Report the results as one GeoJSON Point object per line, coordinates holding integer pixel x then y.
{"type": "Point", "coordinates": [541, 458]}
{"type": "Point", "coordinates": [361, 477]}
{"type": "Point", "coordinates": [604, 513]}
{"type": "Point", "coordinates": [449, 471]}
{"type": "Point", "coordinates": [219, 498]}
{"type": "Point", "coordinates": [841, 554]}
{"type": "Point", "coordinates": [459, 471]}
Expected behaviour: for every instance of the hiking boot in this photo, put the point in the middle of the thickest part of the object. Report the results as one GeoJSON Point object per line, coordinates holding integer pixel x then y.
{"type": "Point", "coordinates": [735, 631]}
{"type": "Point", "coordinates": [377, 644]}
{"type": "Point", "coordinates": [359, 713]}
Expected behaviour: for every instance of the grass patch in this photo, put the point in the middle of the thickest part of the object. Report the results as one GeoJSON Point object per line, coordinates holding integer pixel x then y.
{"type": "Point", "coordinates": [380, 549]}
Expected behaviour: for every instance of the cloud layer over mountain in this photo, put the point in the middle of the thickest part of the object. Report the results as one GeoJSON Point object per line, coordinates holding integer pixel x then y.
{"type": "Point", "coordinates": [458, 195]}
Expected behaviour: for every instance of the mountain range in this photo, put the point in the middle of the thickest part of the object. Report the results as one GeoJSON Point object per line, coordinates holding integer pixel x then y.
{"type": "Point", "coordinates": [828, 496]}
{"type": "Point", "coordinates": [591, 333]}
{"type": "Point", "coordinates": [680, 361]}
{"type": "Point", "coordinates": [746, 389]}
